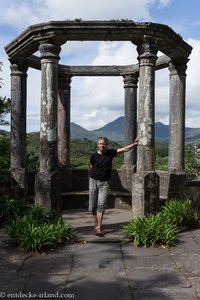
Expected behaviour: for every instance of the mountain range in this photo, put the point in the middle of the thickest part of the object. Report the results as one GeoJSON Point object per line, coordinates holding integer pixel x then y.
{"type": "Point", "coordinates": [115, 131]}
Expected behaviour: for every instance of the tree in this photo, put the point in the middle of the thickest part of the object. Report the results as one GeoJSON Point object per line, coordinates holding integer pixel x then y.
{"type": "Point", "coordinates": [4, 104]}
{"type": "Point", "coordinates": [4, 140]}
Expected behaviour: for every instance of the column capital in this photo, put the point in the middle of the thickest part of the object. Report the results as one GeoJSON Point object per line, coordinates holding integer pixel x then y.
{"type": "Point", "coordinates": [49, 50]}
{"type": "Point", "coordinates": [147, 54]}
{"type": "Point", "coordinates": [178, 68]}
{"type": "Point", "coordinates": [18, 68]}
{"type": "Point", "coordinates": [130, 80]}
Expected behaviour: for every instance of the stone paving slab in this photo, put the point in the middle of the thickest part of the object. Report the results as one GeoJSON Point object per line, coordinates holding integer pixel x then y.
{"type": "Point", "coordinates": [164, 294]}
{"type": "Point", "coordinates": [99, 285]}
{"type": "Point", "coordinates": [56, 262]}
{"type": "Point", "coordinates": [188, 263]}
{"type": "Point", "coordinates": [107, 257]}
{"type": "Point", "coordinates": [46, 283]}
{"type": "Point", "coordinates": [12, 282]}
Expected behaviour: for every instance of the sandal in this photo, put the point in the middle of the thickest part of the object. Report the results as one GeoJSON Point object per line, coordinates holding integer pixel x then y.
{"type": "Point", "coordinates": [99, 232]}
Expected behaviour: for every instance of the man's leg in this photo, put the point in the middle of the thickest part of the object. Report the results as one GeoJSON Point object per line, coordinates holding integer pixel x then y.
{"type": "Point", "coordinates": [95, 220]}
{"type": "Point", "coordinates": [102, 199]}
{"type": "Point", "coordinates": [93, 199]}
{"type": "Point", "coordinates": [99, 220]}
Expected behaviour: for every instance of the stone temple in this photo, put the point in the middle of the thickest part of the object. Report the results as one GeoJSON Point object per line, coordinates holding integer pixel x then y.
{"type": "Point", "coordinates": [39, 47]}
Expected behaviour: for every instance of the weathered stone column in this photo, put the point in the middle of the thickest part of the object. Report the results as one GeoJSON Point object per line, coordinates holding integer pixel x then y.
{"type": "Point", "coordinates": [145, 188]}
{"type": "Point", "coordinates": [48, 188]}
{"type": "Point", "coordinates": [18, 126]}
{"type": "Point", "coordinates": [177, 176]}
{"type": "Point", "coordinates": [130, 122]}
{"type": "Point", "coordinates": [177, 116]}
{"type": "Point", "coordinates": [64, 120]}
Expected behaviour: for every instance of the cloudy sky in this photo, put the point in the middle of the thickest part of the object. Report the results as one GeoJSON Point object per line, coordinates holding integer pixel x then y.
{"type": "Point", "coordinates": [97, 101]}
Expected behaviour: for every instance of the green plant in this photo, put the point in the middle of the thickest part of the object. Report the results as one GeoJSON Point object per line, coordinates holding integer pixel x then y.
{"type": "Point", "coordinates": [150, 230]}
{"type": "Point", "coordinates": [178, 212]}
{"type": "Point", "coordinates": [161, 228]}
{"type": "Point", "coordinates": [4, 159]}
{"type": "Point", "coordinates": [40, 229]}
{"type": "Point", "coordinates": [12, 207]}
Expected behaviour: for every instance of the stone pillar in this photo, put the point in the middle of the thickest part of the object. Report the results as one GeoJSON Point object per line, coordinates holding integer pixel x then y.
{"type": "Point", "coordinates": [145, 188]}
{"type": "Point", "coordinates": [18, 126]}
{"type": "Point", "coordinates": [48, 188]}
{"type": "Point", "coordinates": [177, 176]}
{"type": "Point", "coordinates": [130, 122]}
{"type": "Point", "coordinates": [64, 120]}
{"type": "Point", "coordinates": [177, 117]}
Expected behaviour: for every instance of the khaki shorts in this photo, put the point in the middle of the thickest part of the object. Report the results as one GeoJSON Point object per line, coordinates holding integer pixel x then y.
{"type": "Point", "coordinates": [98, 195]}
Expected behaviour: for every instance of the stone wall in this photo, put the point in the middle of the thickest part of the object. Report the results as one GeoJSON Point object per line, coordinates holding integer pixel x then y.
{"type": "Point", "coordinates": [75, 188]}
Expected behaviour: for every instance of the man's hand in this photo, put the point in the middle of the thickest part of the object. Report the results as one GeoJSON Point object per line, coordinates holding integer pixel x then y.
{"type": "Point", "coordinates": [136, 141]}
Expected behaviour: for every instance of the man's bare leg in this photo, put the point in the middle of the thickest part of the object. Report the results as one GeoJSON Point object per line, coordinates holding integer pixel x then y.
{"type": "Point", "coordinates": [95, 220]}
{"type": "Point", "coordinates": [98, 223]}
{"type": "Point", "coordinates": [99, 220]}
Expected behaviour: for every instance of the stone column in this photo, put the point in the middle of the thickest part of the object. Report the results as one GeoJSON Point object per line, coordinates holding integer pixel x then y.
{"type": "Point", "coordinates": [145, 188]}
{"type": "Point", "coordinates": [48, 189]}
{"type": "Point", "coordinates": [130, 122]}
{"type": "Point", "coordinates": [177, 176]}
{"type": "Point", "coordinates": [18, 126]}
{"type": "Point", "coordinates": [64, 120]}
{"type": "Point", "coordinates": [177, 116]}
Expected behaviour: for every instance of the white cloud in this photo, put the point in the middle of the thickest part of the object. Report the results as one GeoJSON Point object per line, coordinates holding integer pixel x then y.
{"type": "Point", "coordinates": [98, 9]}
{"type": "Point", "coordinates": [20, 14]}
{"type": "Point", "coordinates": [165, 2]}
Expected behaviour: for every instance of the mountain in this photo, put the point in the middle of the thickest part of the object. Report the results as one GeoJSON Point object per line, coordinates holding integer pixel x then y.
{"type": "Point", "coordinates": [78, 132]}
{"type": "Point", "coordinates": [115, 131]}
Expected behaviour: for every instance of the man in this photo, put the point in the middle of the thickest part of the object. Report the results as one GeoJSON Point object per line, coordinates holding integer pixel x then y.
{"type": "Point", "coordinates": [99, 181]}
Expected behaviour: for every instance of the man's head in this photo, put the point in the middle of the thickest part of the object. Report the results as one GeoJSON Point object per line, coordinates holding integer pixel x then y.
{"type": "Point", "coordinates": [102, 143]}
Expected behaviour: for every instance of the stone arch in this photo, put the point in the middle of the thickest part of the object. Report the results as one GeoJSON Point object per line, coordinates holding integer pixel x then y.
{"type": "Point", "coordinates": [47, 38]}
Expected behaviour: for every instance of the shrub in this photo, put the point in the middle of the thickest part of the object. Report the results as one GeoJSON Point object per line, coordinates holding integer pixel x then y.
{"type": "Point", "coordinates": [150, 230]}
{"type": "Point", "coordinates": [12, 207]}
{"type": "Point", "coordinates": [40, 229]}
{"type": "Point", "coordinates": [33, 227]}
{"type": "Point", "coordinates": [178, 212]}
{"type": "Point", "coordinates": [161, 228]}
{"type": "Point", "coordinates": [35, 237]}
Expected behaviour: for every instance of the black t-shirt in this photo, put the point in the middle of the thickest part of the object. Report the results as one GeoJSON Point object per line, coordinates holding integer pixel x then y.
{"type": "Point", "coordinates": [102, 164]}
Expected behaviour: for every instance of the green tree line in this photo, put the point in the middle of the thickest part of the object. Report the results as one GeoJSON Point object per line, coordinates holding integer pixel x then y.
{"type": "Point", "coordinates": [80, 151]}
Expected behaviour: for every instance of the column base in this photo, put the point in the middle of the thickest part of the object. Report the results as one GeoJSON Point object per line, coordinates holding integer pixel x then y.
{"type": "Point", "coordinates": [176, 184]}
{"type": "Point", "coordinates": [48, 190]}
{"type": "Point", "coordinates": [145, 193]}
{"type": "Point", "coordinates": [18, 181]}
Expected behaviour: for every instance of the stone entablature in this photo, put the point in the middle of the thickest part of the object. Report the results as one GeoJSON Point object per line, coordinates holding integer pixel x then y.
{"type": "Point", "coordinates": [59, 32]}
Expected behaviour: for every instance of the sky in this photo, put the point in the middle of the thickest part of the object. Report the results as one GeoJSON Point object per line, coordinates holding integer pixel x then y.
{"type": "Point", "coordinates": [96, 101]}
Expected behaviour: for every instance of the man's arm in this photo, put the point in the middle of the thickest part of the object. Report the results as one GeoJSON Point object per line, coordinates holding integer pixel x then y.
{"type": "Point", "coordinates": [128, 147]}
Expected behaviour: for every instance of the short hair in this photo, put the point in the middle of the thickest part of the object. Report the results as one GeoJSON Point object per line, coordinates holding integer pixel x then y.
{"type": "Point", "coordinates": [103, 138]}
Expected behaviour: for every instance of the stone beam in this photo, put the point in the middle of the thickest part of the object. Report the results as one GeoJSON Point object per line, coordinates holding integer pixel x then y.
{"type": "Point", "coordinates": [162, 62]}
